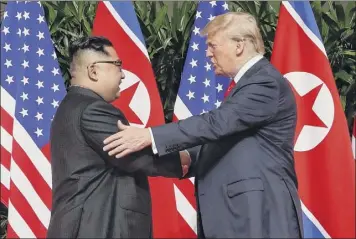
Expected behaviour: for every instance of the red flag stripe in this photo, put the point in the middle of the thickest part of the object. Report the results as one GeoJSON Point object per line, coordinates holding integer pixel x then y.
{"type": "Point", "coordinates": [28, 191]}
{"type": "Point", "coordinates": [27, 213]}
{"type": "Point", "coordinates": [6, 121]}
{"type": "Point", "coordinates": [5, 194]}
{"type": "Point", "coordinates": [18, 224]}
{"type": "Point", "coordinates": [29, 170]}
{"type": "Point", "coordinates": [10, 232]}
{"type": "Point", "coordinates": [5, 158]}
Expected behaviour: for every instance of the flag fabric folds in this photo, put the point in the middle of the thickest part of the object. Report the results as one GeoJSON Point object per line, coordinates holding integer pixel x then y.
{"type": "Point", "coordinates": [31, 90]}
{"type": "Point", "coordinates": [200, 90]}
{"type": "Point", "coordinates": [323, 157]}
{"type": "Point", "coordinates": [139, 99]}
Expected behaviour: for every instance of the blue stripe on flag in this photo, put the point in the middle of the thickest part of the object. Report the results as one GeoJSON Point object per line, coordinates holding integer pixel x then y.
{"type": "Point", "coordinates": [305, 11]}
{"type": "Point", "coordinates": [310, 230]}
{"type": "Point", "coordinates": [127, 12]}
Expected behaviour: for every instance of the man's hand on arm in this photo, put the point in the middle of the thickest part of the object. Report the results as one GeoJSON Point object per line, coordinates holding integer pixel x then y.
{"type": "Point", "coordinates": [128, 140]}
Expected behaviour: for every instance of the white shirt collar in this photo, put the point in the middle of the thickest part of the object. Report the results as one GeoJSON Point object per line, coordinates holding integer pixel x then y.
{"type": "Point", "coordinates": [247, 66]}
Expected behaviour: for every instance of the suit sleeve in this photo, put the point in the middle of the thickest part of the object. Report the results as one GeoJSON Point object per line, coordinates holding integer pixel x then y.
{"type": "Point", "coordinates": [251, 106]}
{"type": "Point", "coordinates": [99, 121]}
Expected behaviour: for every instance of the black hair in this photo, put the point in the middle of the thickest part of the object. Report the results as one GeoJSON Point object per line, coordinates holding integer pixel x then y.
{"type": "Point", "coordinates": [94, 43]}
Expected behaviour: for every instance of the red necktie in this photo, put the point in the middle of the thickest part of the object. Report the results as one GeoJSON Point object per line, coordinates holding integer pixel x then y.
{"type": "Point", "coordinates": [231, 86]}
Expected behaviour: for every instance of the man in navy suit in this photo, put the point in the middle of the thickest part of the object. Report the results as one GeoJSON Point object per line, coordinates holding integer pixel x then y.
{"type": "Point", "coordinates": [242, 152]}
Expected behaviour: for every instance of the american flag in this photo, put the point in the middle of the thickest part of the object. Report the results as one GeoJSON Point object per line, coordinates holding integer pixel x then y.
{"type": "Point", "coordinates": [31, 90]}
{"type": "Point", "coordinates": [200, 91]}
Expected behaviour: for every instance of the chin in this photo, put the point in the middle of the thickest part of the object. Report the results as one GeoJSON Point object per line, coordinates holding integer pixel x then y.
{"type": "Point", "coordinates": [218, 73]}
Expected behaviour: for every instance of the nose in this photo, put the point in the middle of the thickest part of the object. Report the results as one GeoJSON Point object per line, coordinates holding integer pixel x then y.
{"type": "Point", "coordinates": [209, 53]}
{"type": "Point", "coordinates": [122, 75]}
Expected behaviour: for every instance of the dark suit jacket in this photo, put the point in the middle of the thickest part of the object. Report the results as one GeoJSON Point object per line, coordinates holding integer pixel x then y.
{"type": "Point", "coordinates": [245, 180]}
{"type": "Point", "coordinates": [95, 195]}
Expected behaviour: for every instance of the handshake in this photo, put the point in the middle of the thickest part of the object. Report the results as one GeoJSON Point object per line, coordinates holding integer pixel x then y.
{"type": "Point", "coordinates": [130, 139]}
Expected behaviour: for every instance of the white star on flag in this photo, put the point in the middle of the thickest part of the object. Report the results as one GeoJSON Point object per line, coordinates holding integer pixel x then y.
{"type": "Point", "coordinates": [55, 103]}
{"type": "Point", "coordinates": [39, 100]}
{"type": "Point", "coordinates": [39, 68]}
{"type": "Point", "coordinates": [25, 64]}
{"type": "Point", "coordinates": [190, 95]}
{"type": "Point", "coordinates": [40, 84]}
{"type": "Point", "coordinates": [40, 35]}
{"type": "Point", "coordinates": [24, 80]}
{"type": "Point", "coordinates": [9, 79]}
{"type": "Point", "coordinates": [40, 19]}
{"type": "Point", "coordinates": [38, 132]}
{"type": "Point", "coordinates": [39, 116]}
{"type": "Point", "coordinates": [24, 96]}
{"type": "Point", "coordinates": [40, 52]}
{"type": "Point", "coordinates": [206, 82]}
{"type": "Point", "coordinates": [24, 112]}
{"type": "Point", "coordinates": [7, 47]}
{"type": "Point", "coordinates": [8, 63]}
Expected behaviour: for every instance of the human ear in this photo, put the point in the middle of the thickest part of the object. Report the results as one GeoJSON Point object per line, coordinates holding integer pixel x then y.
{"type": "Point", "coordinates": [239, 47]}
{"type": "Point", "coordinates": [92, 72]}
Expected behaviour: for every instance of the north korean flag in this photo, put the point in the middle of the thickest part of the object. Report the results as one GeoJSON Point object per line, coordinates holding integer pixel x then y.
{"type": "Point", "coordinates": [139, 99]}
{"type": "Point", "coordinates": [323, 155]}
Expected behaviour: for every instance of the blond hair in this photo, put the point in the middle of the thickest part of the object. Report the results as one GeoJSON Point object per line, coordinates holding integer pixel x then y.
{"type": "Point", "coordinates": [238, 26]}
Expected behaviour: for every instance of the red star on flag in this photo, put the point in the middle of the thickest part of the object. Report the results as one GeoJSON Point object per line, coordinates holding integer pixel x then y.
{"type": "Point", "coordinates": [124, 104]}
{"type": "Point", "coordinates": [306, 115]}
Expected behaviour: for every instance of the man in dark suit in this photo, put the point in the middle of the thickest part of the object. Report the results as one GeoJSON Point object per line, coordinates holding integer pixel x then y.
{"type": "Point", "coordinates": [246, 184]}
{"type": "Point", "coordinates": [96, 195]}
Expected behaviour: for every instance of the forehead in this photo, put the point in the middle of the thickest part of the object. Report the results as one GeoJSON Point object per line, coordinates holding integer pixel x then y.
{"type": "Point", "coordinates": [213, 38]}
{"type": "Point", "coordinates": [112, 52]}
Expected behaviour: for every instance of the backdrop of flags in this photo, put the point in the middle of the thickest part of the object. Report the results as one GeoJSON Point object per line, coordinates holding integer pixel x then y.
{"type": "Point", "coordinates": [31, 90]}
{"type": "Point", "coordinates": [139, 100]}
{"type": "Point", "coordinates": [200, 90]}
{"type": "Point", "coordinates": [323, 157]}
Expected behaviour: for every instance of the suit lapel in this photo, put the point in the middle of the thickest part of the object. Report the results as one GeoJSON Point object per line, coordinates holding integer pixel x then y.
{"type": "Point", "coordinates": [204, 150]}
{"type": "Point", "coordinates": [255, 68]}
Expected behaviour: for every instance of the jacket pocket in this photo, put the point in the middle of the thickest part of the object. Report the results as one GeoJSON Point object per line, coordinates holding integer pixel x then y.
{"type": "Point", "coordinates": [135, 203]}
{"type": "Point", "coordinates": [246, 185]}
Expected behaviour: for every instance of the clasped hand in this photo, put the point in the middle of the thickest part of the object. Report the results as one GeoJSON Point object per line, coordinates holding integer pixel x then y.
{"type": "Point", "coordinates": [131, 139]}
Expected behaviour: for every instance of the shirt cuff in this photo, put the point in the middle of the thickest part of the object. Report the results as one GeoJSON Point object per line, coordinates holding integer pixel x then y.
{"type": "Point", "coordinates": [153, 145]}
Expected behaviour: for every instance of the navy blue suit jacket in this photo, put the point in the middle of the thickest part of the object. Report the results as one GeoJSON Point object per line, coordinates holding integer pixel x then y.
{"type": "Point", "coordinates": [245, 179]}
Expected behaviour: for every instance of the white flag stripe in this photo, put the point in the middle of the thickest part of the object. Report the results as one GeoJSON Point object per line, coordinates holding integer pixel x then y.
{"type": "Point", "coordinates": [305, 28]}
{"type": "Point", "coordinates": [34, 153]}
{"type": "Point", "coordinates": [192, 180]}
{"type": "Point", "coordinates": [185, 209]}
{"type": "Point", "coordinates": [27, 190]}
{"type": "Point", "coordinates": [7, 102]}
{"type": "Point", "coordinates": [6, 140]}
{"type": "Point", "coordinates": [18, 224]}
{"type": "Point", "coordinates": [128, 31]}
{"type": "Point", "coordinates": [180, 109]}
{"type": "Point", "coordinates": [5, 177]}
